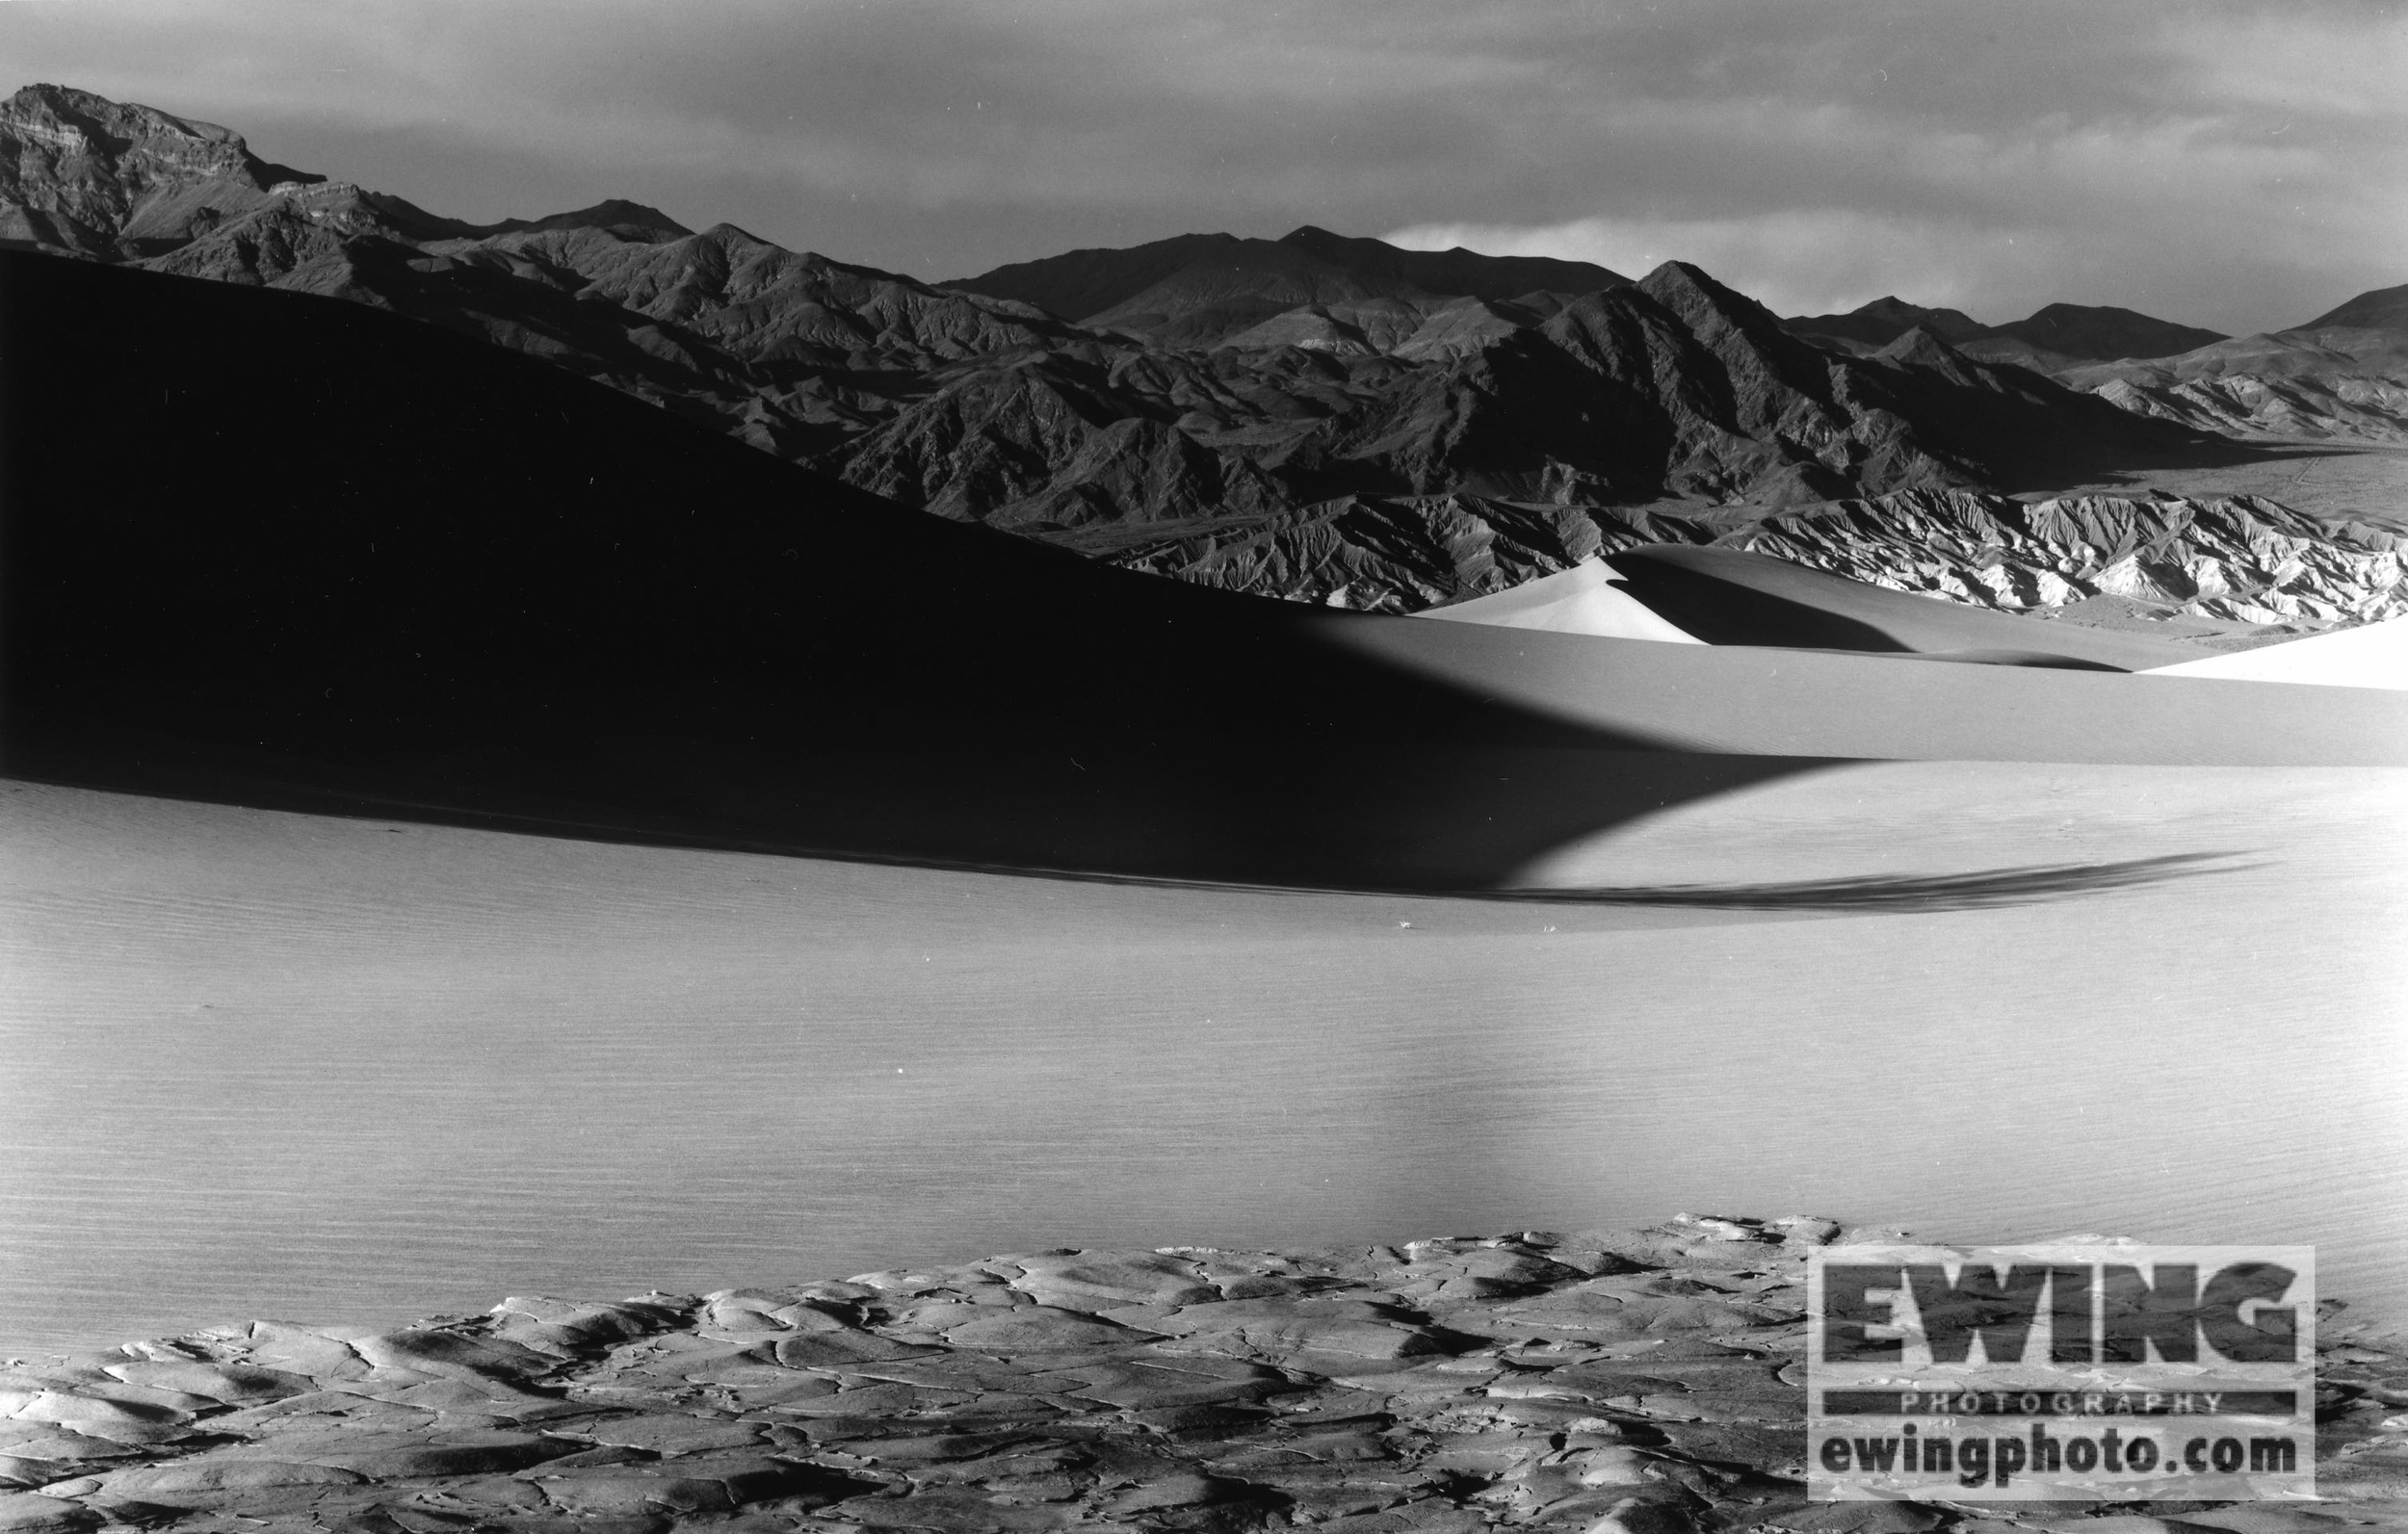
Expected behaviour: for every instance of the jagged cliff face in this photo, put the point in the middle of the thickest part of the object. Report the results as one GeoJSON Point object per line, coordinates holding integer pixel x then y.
{"type": "Point", "coordinates": [83, 173]}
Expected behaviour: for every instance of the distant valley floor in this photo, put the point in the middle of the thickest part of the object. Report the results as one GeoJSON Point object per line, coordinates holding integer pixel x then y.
{"type": "Point", "coordinates": [2332, 482]}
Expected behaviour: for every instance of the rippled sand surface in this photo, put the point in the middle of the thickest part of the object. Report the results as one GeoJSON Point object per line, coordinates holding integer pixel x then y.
{"type": "Point", "coordinates": [324, 1069]}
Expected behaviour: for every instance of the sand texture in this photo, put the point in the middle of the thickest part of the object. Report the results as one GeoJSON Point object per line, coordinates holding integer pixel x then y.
{"type": "Point", "coordinates": [1633, 1382]}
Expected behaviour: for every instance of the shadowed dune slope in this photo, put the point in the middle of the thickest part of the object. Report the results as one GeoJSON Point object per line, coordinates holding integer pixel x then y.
{"type": "Point", "coordinates": [269, 547]}
{"type": "Point", "coordinates": [1729, 596]}
{"type": "Point", "coordinates": [266, 547]}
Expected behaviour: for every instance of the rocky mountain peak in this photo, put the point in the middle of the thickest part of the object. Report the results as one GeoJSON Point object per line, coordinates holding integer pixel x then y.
{"type": "Point", "coordinates": [1919, 346]}
{"type": "Point", "coordinates": [81, 173]}
{"type": "Point", "coordinates": [80, 121]}
{"type": "Point", "coordinates": [1900, 316]}
{"type": "Point", "coordinates": [1705, 305]}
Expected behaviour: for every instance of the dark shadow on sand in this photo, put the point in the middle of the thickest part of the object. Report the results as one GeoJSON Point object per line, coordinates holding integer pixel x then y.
{"type": "Point", "coordinates": [1985, 890]}
{"type": "Point", "coordinates": [1723, 611]}
{"type": "Point", "coordinates": [277, 549]}
{"type": "Point", "coordinates": [1729, 596]}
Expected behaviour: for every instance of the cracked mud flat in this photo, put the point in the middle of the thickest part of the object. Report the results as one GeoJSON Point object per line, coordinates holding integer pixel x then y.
{"type": "Point", "coordinates": [1635, 1382]}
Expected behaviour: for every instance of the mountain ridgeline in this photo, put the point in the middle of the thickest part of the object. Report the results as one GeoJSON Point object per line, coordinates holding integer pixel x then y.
{"type": "Point", "coordinates": [1207, 288]}
{"type": "Point", "coordinates": [1303, 417]}
{"type": "Point", "coordinates": [1195, 376]}
{"type": "Point", "coordinates": [2342, 376]}
{"type": "Point", "coordinates": [2052, 333]}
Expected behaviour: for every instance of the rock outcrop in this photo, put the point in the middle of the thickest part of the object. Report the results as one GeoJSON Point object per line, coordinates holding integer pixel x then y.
{"type": "Point", "coordinates": [82, 174]}
{"type": "Point", "coordinates": [1626, 1382]}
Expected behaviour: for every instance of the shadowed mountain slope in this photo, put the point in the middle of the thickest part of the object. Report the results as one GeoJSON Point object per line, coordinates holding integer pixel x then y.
{"type": "Point", "coordinates": [1673, 387]}
{"type": "Point", "coordinates": [1355, 368]}
{"type": "Point", "coordinates": [470, 584]}
{"type": "Point", "coordinates": [1877, 323]}
{"type": "Point", "coordinates": [2382, 309]}
{"type": "Point", "coordinates": [1311, 453]}
{"type": "Point", "coordinates": [318, 556]}
{"type": "Point", "coordinates": [2084, 330]}
{"type": "Point", "coordinates": [1201, 288]}
{"type": "Point", "coordinates": [2059, 331]}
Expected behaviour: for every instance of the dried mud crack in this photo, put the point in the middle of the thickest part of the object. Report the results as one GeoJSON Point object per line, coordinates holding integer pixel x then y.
{"type": "Point", "coordinates": [1633, 1382]}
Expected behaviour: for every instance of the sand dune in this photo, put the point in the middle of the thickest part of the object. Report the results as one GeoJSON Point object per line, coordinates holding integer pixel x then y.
{"type": "Point", "coordinates": [2376, 656]}
{"type": "Point", "coordinates": [577, 612]}
{"type": "Point", "coordinates": [1752, 701]}
{"type": "Point", "coordinates": [1726, 596]}
{"type": "Point", "coordinates": [1587, 599]}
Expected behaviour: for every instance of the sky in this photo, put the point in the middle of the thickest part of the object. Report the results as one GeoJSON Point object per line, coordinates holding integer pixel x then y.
{"type": "Point", "coordinates": [2240, 166]}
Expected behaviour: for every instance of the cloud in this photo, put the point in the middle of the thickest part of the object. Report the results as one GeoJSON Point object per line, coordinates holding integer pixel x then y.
{"type": "Point", "coordinates": [2226, 162]}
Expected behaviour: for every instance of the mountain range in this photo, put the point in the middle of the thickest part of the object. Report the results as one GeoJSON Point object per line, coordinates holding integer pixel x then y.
{"type": "Point", "coordinates": [1203, 289]}
{"type": "Point", "coordinates": [1319, 418]}
{"type": "Point", "coordinates": [2341, 375]}
{"type": "Point", "coordinates": [2057, 330]}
